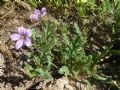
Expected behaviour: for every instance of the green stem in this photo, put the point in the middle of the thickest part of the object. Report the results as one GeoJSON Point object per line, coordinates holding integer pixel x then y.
{"type": "Point", "coordinates": [55, 65]}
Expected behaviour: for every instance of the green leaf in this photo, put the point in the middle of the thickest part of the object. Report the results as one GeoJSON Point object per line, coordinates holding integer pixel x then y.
{"type": "Point", "coordinates": [29, 54]}
{"type": "Point", "coordinates": [43, 73]}
{"type": "Point", "coordinates": [29, 70]}
{"type": "Point", "coordinates": [33, 34]}
{"type": "Point", "coordinates": [100, 77]}
{"type": "Point", "coordinates": [64, 70]}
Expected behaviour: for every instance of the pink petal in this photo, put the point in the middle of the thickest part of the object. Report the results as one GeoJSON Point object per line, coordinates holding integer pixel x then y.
{"type": "Point", "coordinates": [19, 44]}
{"type": "Point", "coordinates": [28, 33]}
{"type": "Point", "coordinates": [34, 17]}
{"type": "Point", "coordinates": [21, 30]}
{"type": "Point", "coordinates": [27, 42]}
{"type": "Point", "coordinates": [43, 9]}
{"type": "Point", "coordinates": [43, 14]}
{"type": "Point", "coordinates": [15, 37]}
{"type": "Point", "coordinates": [37, 11]}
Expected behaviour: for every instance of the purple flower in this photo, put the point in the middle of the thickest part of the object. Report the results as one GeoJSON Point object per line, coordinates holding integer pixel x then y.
{"type": "Point", "coordinates": [38, 13]}
{"type": "Point", "coordinates": [43, 11]}
{"type": "Point", "coordinates": [35, 15]}
{"type": "Point", "coordinates": [22, 38]}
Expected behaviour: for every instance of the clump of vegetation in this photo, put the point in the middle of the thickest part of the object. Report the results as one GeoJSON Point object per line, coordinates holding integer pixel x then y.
{"type": "Point", "coordinates": [65, 45]}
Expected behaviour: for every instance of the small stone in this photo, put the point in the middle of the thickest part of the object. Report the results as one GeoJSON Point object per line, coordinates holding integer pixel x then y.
{"type": "Point", "coordinates": [78, 85]}
{"type": "Point", "coordinates": [60, 83]}
{"type": "Point", "coordinates": [69, 87]}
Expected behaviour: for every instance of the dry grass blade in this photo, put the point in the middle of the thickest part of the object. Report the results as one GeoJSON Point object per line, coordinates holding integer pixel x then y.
{"type": "Point", "coordinates": [23, 4]}
{"type": "Point", "coordinates": [8, 13]}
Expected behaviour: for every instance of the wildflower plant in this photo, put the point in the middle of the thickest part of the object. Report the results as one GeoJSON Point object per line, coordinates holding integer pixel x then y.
{"type": "Point", "coordinates": [43, 43]}
{"type": "Point", "coordinates": [55, 46]}
{"type": "Point", "coordinates": [73, 55]}
{"type": "Point", "coordinates": [22, 37]}
{"type": "Point", "coordinates": [56, 43]}
{"type": "Point", "coordinates": [37, 14]}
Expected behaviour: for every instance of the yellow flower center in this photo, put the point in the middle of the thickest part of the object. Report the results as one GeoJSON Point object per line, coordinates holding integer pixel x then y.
{"type": "Point", "coordinates": [22, 36]}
